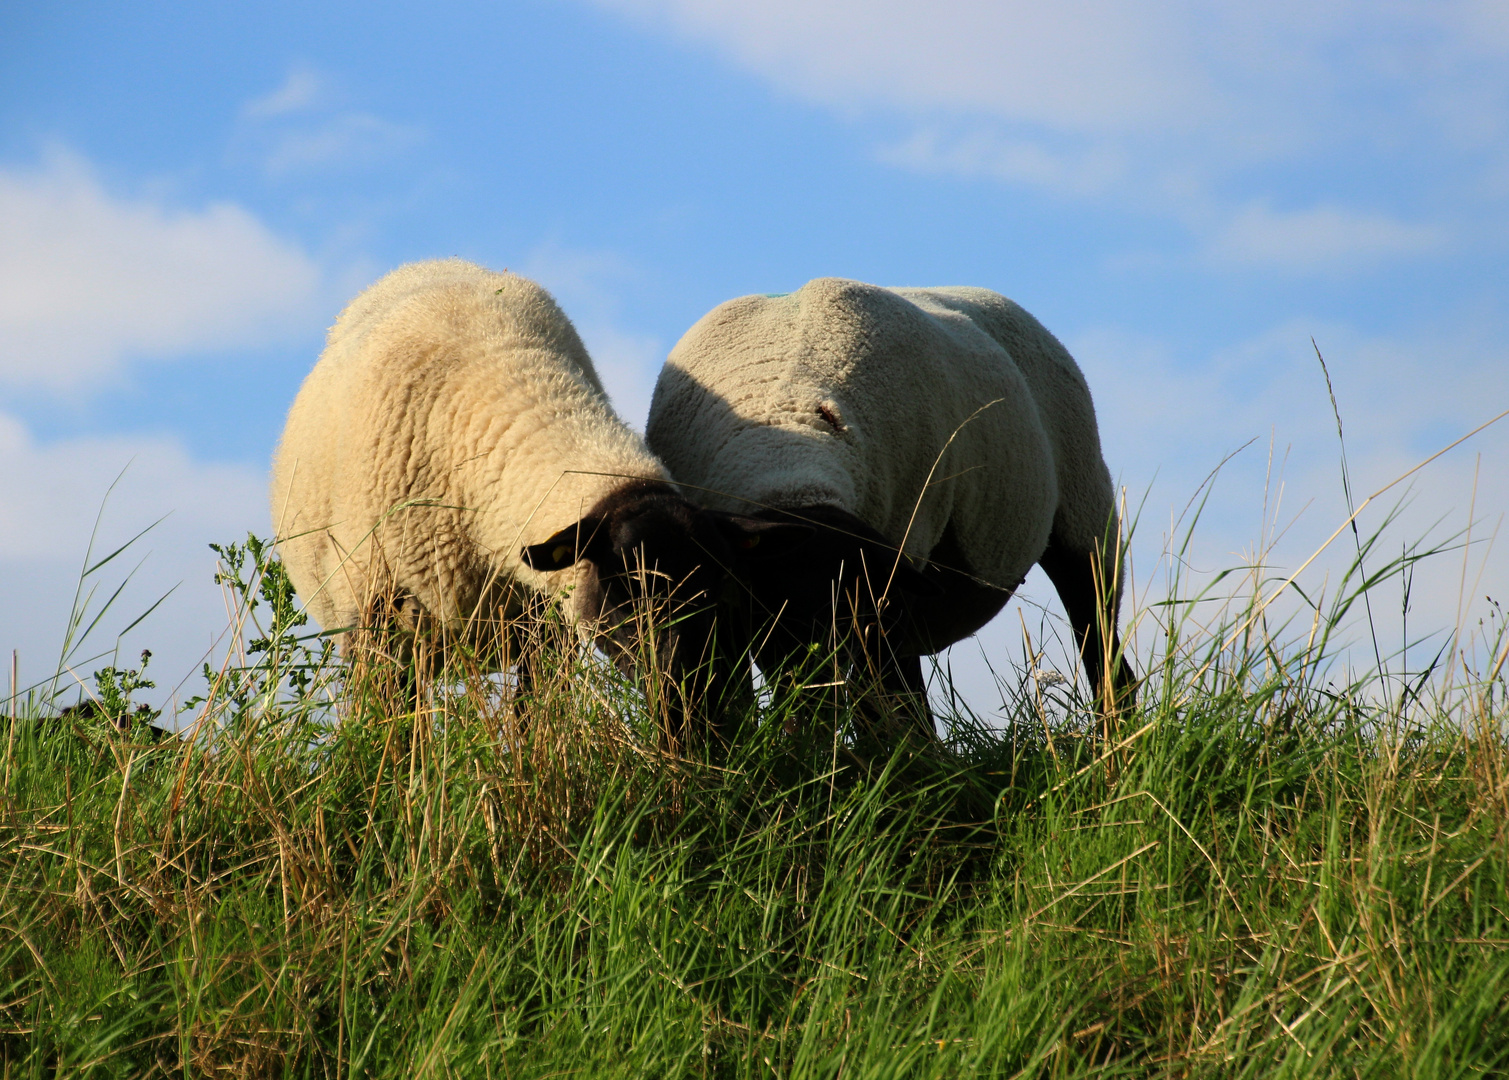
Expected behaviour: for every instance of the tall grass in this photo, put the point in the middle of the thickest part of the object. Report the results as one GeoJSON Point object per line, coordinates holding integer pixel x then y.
{"type": "Point", "coordinates": [1258, 871]}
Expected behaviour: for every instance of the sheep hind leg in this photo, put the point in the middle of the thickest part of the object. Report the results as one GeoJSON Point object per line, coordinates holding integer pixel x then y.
{"type": "Point", "coordinates": [1085, 589]}
{"type": "Point", "coordinates": [905, 684]}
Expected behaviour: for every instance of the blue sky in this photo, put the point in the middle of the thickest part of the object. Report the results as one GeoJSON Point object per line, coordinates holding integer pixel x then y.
{"type": "Point", "coordinates": [1185, 193]}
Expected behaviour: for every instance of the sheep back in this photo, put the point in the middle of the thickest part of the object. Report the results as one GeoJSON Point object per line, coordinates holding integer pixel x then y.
{"type": "Point", "coordinates": [847, 395]}
{"type": "Point", "coordinates": [1086, 499]}
{"type": "Point", "coordinates": [453, 418]}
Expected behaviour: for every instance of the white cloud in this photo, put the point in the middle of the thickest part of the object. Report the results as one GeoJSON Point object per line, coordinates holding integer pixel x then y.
{"type": "Point", "coordinates": [49, 494]}
{"type": "Point", "coordinates": [1081, 64]}
{"type": "Point", "coordinates": [347, 141]}
{"type": "Point", "coordinates": [90, 279]}
{"type": "Point", "coordinates": [1400, 400]}
{"type": "Point", "coordinates": [987, 155]}
{"type": "Point", "coordinates": [1318, 237]}
{"type": "Point", "coordinates": [299, 91]}
{"type": "Point", "coordinates": [1323, 236]}
{"type": "Point", "coordinates": [49, 498]}
{"type": "Point", "coordinates": [1100, 65]}
{"type": "Point", "coordinates": [297, 129]}
{"type": "Point", "coordinates": [1180, 108]}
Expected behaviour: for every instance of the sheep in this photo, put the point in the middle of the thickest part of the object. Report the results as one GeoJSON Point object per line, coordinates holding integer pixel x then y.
{"type": "Point", "coordinates": [945, 424]}
{"type": "Point", "coordinates": [452, 462]}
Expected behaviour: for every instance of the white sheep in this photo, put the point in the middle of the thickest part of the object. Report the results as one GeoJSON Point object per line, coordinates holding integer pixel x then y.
{"type": "Point", "coordinates": [452, 459]}
{"type": "Point", "coordinates": [945, 423]}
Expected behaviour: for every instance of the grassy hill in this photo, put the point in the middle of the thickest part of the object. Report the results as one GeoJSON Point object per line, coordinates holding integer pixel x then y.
{"type": "Point", "coordinates": [1254, 872]}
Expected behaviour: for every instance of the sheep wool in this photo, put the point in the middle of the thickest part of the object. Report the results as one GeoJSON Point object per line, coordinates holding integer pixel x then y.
{"type": "Point", "coordinates": [453, 418]}
{"type": "Point", "coordinates": [944, 415]}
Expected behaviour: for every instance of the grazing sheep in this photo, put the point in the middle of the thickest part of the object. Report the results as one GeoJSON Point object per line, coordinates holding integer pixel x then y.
{"type": "Point", "coordinates": [452, 460]}
{"type": "Point", "coordinates": [948, 424]}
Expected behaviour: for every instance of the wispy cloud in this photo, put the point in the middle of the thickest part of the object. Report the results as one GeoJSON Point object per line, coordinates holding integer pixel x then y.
{"type": "Point", "coordinates": [1321, 237]}
{"type": "Point", "coordinates": [1192, 113]}
{"type": "Point", "coordinates": [299, 92]}
{"type": "Point", "coordinates": [50, 493]}
{"type": "Point", "coordinates": [982, 154]}
{"type": "Point", "coordinates": [90, 278]}
{"type": "Point", "coordinates": [1111, 65]}
{"type": "Point", "coordinates": [1400, 397]}
{"type": "Point", "coordinates": [1081, 64]}
{"type": "Point", "coordinates": [351, 140]}
{"type": "Point", "coordinates": [302, 127]}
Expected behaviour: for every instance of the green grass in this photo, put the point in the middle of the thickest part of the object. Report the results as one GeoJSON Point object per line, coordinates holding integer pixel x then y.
{"type": "Point", "coordinates": [1256, 874]}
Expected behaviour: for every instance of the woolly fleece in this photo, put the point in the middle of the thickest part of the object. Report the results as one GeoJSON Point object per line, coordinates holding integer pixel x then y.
{"type": "Point", "coordinates": [844, 394]}
{"type": "Point", "coordinates": [453, 418]}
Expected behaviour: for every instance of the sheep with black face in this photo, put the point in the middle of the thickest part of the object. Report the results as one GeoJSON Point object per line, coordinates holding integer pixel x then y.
{"type": "Point", "coordinates": [945, 428]}
{"type": "Point", "coordinates": [452, 461]}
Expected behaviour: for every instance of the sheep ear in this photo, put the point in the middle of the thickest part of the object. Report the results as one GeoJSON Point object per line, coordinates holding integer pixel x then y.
{"type": "Point", "coordinates": [759, 539]}
{"type": "Point", "coordinates": [566, 548]}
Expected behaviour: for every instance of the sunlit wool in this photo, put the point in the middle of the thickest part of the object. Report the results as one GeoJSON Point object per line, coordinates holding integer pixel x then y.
{"type": "Point", "coordinates": [453, 418]}
{"type": "Point", "coordinates": [945, 419]}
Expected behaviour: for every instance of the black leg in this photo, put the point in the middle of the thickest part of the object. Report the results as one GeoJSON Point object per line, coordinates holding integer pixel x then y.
{"type": "Point", "coordinates": [1084, 586]}
{"type": "Point", "coordinates": [907, 686]}
{"type": "Point", "coordinates": [892, 695]}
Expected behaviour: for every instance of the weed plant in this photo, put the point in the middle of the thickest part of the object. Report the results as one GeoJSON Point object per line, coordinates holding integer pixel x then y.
{"type": "Point", "coordinates": [346, 868]}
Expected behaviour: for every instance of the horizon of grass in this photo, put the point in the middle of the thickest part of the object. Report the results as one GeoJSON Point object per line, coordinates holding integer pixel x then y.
{"type": "Point", "coordinates": [1255, 871]}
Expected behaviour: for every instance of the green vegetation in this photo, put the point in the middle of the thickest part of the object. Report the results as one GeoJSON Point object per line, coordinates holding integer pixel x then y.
{"type": "Point", "coordinates": [1254, 872]}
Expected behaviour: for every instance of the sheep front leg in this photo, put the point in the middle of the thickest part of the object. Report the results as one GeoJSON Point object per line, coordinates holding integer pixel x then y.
{"type": "Point", "coordinates": [889, 694]}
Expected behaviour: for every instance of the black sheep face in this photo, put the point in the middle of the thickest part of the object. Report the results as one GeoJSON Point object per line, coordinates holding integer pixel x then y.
{"type": "Point", "coordinates": [845, 586]}
{"type": "Point", "coordinates": [665, 587]}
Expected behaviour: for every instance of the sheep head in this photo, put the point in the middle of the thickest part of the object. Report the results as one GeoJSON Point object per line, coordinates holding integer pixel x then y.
{"type": "Point", "coordinates": [847, 586]}
{"type": "Point", "coordinates": [664, 590]}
